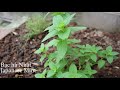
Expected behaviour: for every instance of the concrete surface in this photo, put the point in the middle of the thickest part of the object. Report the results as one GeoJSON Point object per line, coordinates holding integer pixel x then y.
{"type": "Point", "coordinates": [15, 18]}
{"type": "Point", "coordinates": [106, 21]}
{"type": "Point", "coordinates": [11, 27]}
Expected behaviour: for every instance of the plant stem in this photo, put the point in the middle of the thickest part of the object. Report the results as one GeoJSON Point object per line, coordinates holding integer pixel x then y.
{"type": "Point", "coordinates": [46, 15]}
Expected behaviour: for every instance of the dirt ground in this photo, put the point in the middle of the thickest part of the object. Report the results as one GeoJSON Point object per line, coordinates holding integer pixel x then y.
{"type": "Point", "coordinates": [14, 49]}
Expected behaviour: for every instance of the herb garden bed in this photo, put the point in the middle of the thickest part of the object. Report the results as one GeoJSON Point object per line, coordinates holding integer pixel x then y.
{"type": "Point", "coordinates": [59, 48]}
{"type": "Point", "coordinates": [14, 49]}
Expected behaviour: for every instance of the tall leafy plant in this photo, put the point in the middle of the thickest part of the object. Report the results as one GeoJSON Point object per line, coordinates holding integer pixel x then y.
{"type": "Point", "coordinates": [61, 63]}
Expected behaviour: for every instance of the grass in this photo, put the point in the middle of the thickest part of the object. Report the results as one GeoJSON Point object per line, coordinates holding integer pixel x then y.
{"type": "Point", "coordinates": [35, 25]}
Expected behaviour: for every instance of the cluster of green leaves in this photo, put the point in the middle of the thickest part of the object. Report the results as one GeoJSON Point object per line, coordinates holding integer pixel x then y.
{"type": "Point", "coordinates": [94, 55]}
{"type": "Point", "coordinates": [66, 61]}
{"type": "Point", "coordinates": [35, 25]}
{"type": "Point", "coordinates": [63, 14]}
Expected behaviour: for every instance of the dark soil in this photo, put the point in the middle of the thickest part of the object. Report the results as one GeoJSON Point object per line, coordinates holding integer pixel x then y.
{"type": "Point", "coordinates": [14, 49]}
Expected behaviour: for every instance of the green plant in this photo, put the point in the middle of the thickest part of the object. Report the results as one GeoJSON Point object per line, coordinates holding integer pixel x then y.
{"type": "Point", "coordinates": [108, 54]}
{"type": "Point", "coordinates": [35, 25]}
{"type": "Point", "coordinates": [95, 55]}
{"type": "Point", "coordinates": [66, 61]}
{"type": "Point", "coordinates": [63, 14]}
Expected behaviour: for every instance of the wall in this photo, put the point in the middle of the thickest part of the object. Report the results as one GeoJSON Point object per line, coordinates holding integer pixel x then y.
{"type": "Point", "coordinates": [107, 21]}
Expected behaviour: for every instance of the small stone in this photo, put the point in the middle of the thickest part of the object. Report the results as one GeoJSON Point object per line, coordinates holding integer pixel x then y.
{"type": "Point", "coordinates": [31, 42]}
{"type": "Point", "coordinates": [15, 33]}
{"type": "Point", "coordinates": [116, 67]}
{"type": "Point", "coordinates": [16, 40]}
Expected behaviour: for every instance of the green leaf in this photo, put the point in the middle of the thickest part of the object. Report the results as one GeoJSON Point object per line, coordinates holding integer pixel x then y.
{"type": "Point", "coordinates": [62, 63]}
{"type": "Point", "coordinates": [50, 73]}
{"type": "Point", "coordinates": [52, 43]}
{"type": "Point", "coordinates": [52, 56]}
{"type": "Point", "coordinates": [66, 75]}
{"type": "Point", "coordinates": [57, 20]}
{"type": "Point", "coordinates": [94, 57]}
{"type": "Point", "coordinates": [74, 29]}
{"type": "Point", "coordinates": [39, 75]}
{"type": "Point", "coordinates": [109, 48]}
{"type": "Point", "coordinates": [78, 75]}
{"type": "Point", "coordinates": [38, 51]}
{"type": "Point", "coordinates": [66, 15]}
{"type": "Point", "coordinates": [46, 63]}
{"type": "Point", "coordinates": [68, 19]}
{"type": "Point", "coordinates": [59, 75]}
{"type": "Point", "coordinates": [98, 48]}
{"type": "Point", "coordinates": [64, 34]}
{"type": "Point", "coordinates": [44, 72]}
{"type": "Point", "coordinates": [110, 59]}
{"type": "Point", "coordinates": [42, 57]}
{"type": "Point", "coordinates": [52, 66]}
{"type": "Point", "coordinates": [61, 49]}
{"type": "Point", "coordinates": [73, 68]}
{"type": "Point", "coordinates": [101, 64]}
{"type": "Point", "coordinates": [115, 53]}
{"type": "Point", "coordinates": [88, 46]}
{"type": "Point", "coordinates": [88, 67]}
{"type": "Point", "coordinates": [50, 28]}
{"type": "Point", "coordinates": [73, 41]}
{"type": "Point", "coordinates": [101, 53]}
{"type": "Point", "coordinates": [83, 75]}
{"type": "Point", "coordinates": [58, 13]}
{"type": "Point", "coordinates": [41, 49]}
{"type": "Point", "coordinates": [49, 35]}
{"type": "Point", "coordinates": [91, 72]}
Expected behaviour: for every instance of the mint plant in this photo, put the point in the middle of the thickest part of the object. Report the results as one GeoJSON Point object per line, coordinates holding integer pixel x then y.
{"type": "Point", "coordinates": [108, 54]}
{"type": "Point", "coordinates": [68, 61]}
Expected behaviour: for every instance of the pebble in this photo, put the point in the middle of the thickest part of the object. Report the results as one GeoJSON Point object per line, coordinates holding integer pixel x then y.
{"type": "Point", "coordinates": [15, 33]}
{"type": "Point", "coordinates": [16, 40]}
{"type": "Point", "coordinates": [31, 42]}
{"type": "Point", "coordinates": [116, 67]}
